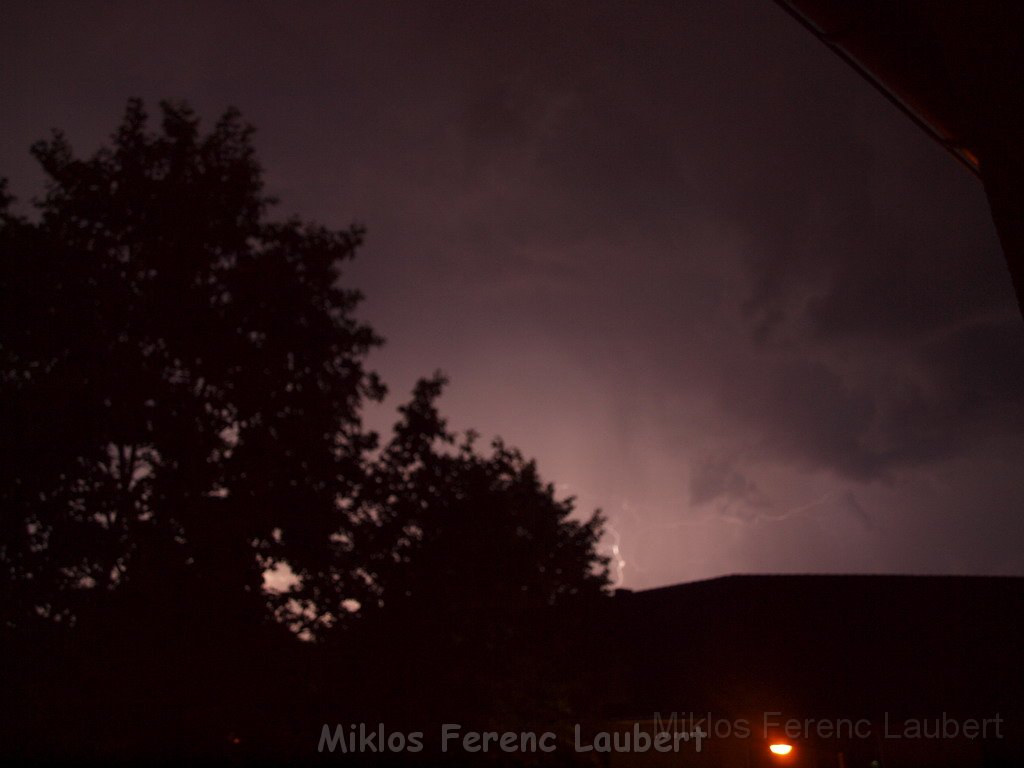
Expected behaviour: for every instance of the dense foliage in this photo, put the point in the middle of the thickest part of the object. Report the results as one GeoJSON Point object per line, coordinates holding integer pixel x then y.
{"type": "Point", "coordinates": [182, 386]}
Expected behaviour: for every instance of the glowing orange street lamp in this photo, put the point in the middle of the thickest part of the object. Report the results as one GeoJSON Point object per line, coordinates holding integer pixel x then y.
{"type": "Point", "coordinates": [780, 749]}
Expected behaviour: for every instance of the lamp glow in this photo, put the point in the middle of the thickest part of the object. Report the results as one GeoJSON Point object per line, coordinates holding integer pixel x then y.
{"type": "Point", "coordinates": [780, 749]}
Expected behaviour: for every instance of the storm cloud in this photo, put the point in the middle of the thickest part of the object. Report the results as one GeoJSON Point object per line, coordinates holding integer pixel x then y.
{"type": "Point", "coordinates": [679, 252]}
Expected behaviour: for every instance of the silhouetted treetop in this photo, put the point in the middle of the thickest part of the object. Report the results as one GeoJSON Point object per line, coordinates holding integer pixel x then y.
{"type": "Point", "coordinates": [177, 367]}
{"type": "Point", "coordinates": [183, 383]}
{"type": "Point", "coordinates": [465, 536]}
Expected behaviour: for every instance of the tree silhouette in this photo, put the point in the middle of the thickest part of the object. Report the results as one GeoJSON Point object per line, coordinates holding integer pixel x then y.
{"type": "Point", "coordinates": [482, 573]}
{"type": "Point", "coordinates": [182, 377]}
{"type": "Point", "coordinates": [182, 384]}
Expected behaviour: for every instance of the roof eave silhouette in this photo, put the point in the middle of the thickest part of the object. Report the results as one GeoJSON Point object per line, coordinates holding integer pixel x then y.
{"type": "Point", "coordinates": [956, 69]}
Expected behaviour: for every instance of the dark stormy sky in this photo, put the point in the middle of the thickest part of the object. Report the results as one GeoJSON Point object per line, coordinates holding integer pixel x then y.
{"type": "Point", "coordinates": [677, 251]}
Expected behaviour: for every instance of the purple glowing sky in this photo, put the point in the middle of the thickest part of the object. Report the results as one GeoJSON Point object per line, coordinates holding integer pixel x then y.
{"type": "Point", "coordinates": [679, 252]}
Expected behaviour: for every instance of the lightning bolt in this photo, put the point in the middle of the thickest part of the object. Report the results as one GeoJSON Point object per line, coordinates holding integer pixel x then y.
{"type": "Point", "coordinates": [617, 559]}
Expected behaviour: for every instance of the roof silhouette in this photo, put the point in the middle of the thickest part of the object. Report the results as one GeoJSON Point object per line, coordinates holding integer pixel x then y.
{"type": "Point", "coordinates": [820, 644]}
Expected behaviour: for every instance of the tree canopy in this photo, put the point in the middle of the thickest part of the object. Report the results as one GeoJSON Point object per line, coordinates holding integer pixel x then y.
{"type": "Point", "coordinates": [183, 381]}
{"type": "Point", "coordinates": [182, 376]}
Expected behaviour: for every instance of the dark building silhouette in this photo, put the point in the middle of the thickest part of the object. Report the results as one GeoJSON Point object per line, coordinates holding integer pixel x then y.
{"type": "Point", "coordinates": [885, 650]}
